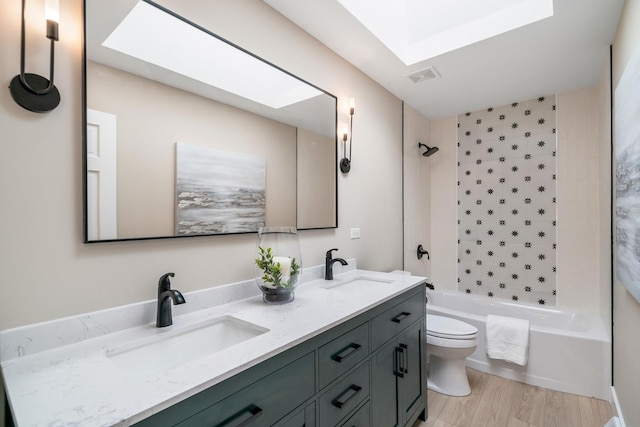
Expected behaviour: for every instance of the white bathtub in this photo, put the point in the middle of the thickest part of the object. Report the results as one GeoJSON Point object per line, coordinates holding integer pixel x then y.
{"type": "Point", "coordinates": [569, 352]}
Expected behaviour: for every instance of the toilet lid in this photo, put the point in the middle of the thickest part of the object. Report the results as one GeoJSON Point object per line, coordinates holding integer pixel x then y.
{"type": "Point", "coordinates": [446, 327]}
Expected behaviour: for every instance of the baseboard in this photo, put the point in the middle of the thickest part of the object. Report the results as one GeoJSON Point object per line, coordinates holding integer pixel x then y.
{"type": "Point", "coordinates": [618, 410]}
{"type": "Point", "coordinates": [602, 393]}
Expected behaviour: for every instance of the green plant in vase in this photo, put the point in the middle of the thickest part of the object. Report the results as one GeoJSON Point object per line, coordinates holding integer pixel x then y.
{"type": "Point", "coordinates": [279, 272]}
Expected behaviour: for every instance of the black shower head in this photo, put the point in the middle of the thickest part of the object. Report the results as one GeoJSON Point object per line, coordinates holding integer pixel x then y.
{"type": "Point", "coordinates": [430, 150]}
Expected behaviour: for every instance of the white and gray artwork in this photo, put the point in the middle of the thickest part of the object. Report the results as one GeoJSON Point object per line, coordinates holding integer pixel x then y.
{"type": "Point", "coordinates": [218, 191]}
{"type": "Point", "coordinates": [627, 187]}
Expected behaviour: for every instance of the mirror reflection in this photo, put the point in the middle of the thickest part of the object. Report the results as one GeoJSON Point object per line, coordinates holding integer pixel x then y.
{"type": "Point", "coordinates": [187, 134]}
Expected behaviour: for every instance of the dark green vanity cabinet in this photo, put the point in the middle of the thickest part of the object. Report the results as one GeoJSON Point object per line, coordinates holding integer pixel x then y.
{"type": "Point", "coordinates": [398, 376]}
{"type": "Point", "coordinates": [364, 372]}
{"type": "Point", "coordinates": [397, 388]}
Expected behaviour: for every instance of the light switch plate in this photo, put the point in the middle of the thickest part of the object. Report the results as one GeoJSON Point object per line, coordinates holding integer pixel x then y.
{"type": "Point", "coordinates": [355, 233]}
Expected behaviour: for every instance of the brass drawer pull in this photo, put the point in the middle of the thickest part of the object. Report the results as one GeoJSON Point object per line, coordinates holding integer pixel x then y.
{"type": "Point", "coordinates": [346, 352]}
{"type": "Point", "coordinates": [240, 419]}
{"type": "Point", "coordinates": [352, 391]}
{"type": "Point", "coordinates": [400, 317]}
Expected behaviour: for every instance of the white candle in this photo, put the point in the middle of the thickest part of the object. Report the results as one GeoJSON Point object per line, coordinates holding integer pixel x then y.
{"type": "Point", "coordinates": [285, 267]}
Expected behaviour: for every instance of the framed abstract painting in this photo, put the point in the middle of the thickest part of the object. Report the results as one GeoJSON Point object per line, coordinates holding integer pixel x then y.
{"type": "Point", "coordinates": [627, 176]}
{"type": "Point", "coordinates": [218, 192]}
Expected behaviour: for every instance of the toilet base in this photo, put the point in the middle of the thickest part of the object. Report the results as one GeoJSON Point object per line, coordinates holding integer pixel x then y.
{"type": "Point", "coordinates": [448, 376]}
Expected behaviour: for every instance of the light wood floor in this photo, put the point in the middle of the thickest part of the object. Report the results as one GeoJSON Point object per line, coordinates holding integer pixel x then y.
{"type": "Point", "coordinates": [498, 402]}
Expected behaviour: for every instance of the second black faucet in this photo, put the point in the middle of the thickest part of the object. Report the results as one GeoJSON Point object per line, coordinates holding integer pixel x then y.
{"type": "Point", "coordinates": [328, 264]}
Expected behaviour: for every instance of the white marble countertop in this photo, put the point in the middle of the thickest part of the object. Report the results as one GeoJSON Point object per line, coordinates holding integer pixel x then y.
{"type": "Point", "coordinates": [58, 373]}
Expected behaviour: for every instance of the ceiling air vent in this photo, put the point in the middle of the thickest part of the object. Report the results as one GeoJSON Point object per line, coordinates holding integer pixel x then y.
{"type": "Point", "coordinates": [424, 74]}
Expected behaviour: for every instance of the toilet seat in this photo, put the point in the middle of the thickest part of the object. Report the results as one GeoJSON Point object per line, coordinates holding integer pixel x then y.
{"type": "Point", "coordinates": [449, 328]}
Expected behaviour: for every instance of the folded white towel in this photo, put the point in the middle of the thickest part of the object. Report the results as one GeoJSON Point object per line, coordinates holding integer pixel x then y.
{"type": "Point", "coordinates": [508, 339]}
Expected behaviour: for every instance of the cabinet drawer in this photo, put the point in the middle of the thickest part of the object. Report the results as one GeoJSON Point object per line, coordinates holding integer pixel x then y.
{"type": "Point", "coordinates": [360, 418]}
{"type": "Point", "coordinates": [305, 417]}
{"type": "Point", "coordinates": [338, 356]}
{"type": "Point", "coordinates": [263, 402]}
{"type": "Point", "coordinates": [344, 396]}
{"type": "Point", "coordinates": [390, 323]}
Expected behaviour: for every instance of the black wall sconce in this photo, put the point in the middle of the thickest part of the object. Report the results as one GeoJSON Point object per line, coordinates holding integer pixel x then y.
{"type": "Point", "coordinates": [31, 91]}
{"type": "Point", "coordinates": [345, 163]}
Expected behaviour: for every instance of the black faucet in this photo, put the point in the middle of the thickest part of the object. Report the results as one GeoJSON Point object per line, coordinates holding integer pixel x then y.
{"type": "Point", "coordinates": [165, 296]}
{"type": "Point", "coordinates": [328, 264]}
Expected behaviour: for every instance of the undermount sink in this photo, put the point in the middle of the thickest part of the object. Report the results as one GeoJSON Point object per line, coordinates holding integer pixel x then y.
{"type": "Point", "coordinates": [176, 348]}
{"type": "Point", "coordinates": [356, 284]}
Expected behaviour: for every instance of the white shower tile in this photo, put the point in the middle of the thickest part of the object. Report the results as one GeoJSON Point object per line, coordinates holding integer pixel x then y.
{"type": "Point", "coordinates": [466, 250]}
{"type": "Point", "coordinates": [506, 200]}
{"type": "Point", "coordinates": [513, 127]}
{"type": "Point", "coordinates": [541, 144]}
{"type": "Point", "coordinates": [489, 278]}
{"type": "Point", "coordinates": [543, 233]}
{"type": "Point", "coordinates": [514, 208]}
{"type": "Point", "coordinates": [545, 208]}
{"type": "Point", "coordinates": [467, 154]}
{"type": "Point", "coordinates": [466, 120]}
{"type": "Point", "coordinates": [514, 147]}
{"type": "Point", "coordinates": [490, 149]}
{"type": "Point", "coordinates": [544, 298]}
{"type": "Point", "coordinates": [492, 254]}
{"type": "Point", "coordinates": [464, 222]}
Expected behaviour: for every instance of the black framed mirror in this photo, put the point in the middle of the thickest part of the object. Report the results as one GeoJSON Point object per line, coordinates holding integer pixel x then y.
{"type": "Point", "coordinates": [188, 134]}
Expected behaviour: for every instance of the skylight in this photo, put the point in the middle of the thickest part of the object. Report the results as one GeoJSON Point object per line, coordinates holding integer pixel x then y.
{"type": "Point", "coordinates": [416, 30]}
{"type": "Point", "coordinates": [154, 36]}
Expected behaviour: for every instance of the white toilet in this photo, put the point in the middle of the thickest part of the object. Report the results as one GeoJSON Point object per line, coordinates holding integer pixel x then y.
{"type": "Point", "coordinates": [449, 343]}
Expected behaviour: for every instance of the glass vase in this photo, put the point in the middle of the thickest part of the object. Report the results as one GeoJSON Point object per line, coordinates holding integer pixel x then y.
{"type": "Point", "coordinates": [278, 264]}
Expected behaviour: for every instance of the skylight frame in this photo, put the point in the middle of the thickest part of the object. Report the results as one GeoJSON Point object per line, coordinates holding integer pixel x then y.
{"type": "Point", "coordinates": [162, 35]}
{"type": "Point", "coordinates": [389, 23]}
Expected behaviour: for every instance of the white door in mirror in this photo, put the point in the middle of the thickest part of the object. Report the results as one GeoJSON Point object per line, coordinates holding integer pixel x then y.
{"type": "Point", "coordinates": [101, 176]}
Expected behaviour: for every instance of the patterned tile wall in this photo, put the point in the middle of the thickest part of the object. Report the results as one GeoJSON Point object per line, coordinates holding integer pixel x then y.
{"type": "Point", "coordinates": [507, 201]}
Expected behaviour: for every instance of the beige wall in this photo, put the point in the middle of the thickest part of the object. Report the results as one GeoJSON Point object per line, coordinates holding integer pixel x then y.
{"type": "Point", "coordinates": [604, 190]}
{"type": "Point", "coordinates": [583, 200]}
{"type": "Point", "coordinates": [444, 206]}
{"type": "Point", "coordinates": [46, 269]}
{"type": "Point", "coordinates": [149, 128]}
{"type": "Point", "coordinates": [626, 311]}
{"type": "Point", "coordinates": [316, 180]}
{"type": "Point", "coordinates": [417, 189]}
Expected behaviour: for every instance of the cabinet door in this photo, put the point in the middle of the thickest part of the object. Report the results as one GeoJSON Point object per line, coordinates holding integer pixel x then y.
{"type": "Point", "coordinates": [410, 386]}
{"type": "Point", "coordinates": [384, 402]}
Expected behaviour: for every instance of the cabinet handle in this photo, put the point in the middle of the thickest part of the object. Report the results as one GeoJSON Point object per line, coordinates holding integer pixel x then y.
{"type": "Point", "coordinates": [405, 358]}
{"type": "Point", "coordinates": [350, 393]}
{"type": "Point", "coordinates": [400, 317]}
{"type": "Point", "coordinates": [398, 361]}
{"type": "Point", "coordinates": [350, 350]}
{"type": "Point", "coordinates": [240, 419]}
